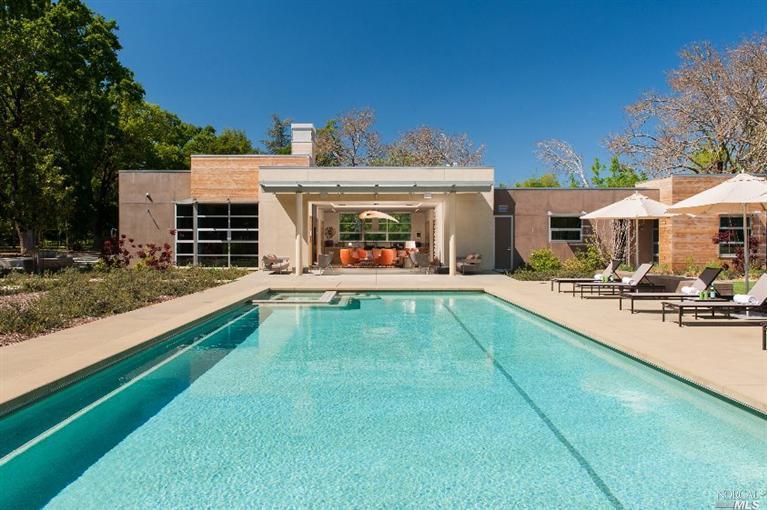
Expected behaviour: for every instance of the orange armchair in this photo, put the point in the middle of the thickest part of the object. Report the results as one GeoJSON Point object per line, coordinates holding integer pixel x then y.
{"type": "Point", "coordinates": [387, 257]}
{"type": "Point", "coordinates": [346, 257]}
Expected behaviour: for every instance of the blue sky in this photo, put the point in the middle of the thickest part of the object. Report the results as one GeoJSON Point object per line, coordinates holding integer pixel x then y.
{"type": "Point", "coordinates": [507, 73]}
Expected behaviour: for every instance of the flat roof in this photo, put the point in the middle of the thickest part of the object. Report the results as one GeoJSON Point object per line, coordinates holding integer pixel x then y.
{"type": "Point", "coordinates": [376, 187]}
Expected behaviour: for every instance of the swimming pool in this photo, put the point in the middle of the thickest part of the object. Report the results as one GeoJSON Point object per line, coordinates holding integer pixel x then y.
{"type": "Point", "coordinates": [403, 400]}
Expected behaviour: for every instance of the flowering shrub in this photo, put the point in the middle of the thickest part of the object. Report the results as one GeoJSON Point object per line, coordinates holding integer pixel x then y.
{"type": "Point", "coordinates": [115, 253]}
{"type": "Point", "coordinates": [738, 264]}
{"type": "Point", "coordinates": [155, 256]}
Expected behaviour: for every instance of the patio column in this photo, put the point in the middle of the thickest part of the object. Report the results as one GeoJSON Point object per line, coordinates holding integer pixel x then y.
{"type": "Point", "coordinates": [451, 231]}
{"type": "Point", "coordinates": [299, 231]}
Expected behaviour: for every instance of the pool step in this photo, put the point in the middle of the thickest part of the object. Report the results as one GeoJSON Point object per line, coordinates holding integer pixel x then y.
{"type": "Point", "coordinates": [326, 298]}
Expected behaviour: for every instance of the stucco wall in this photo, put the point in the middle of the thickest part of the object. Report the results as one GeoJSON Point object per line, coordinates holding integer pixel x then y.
{"type": "Point", "coordinates": [150, 219]}
{"type": "Point", "coordinates": [531, 207]}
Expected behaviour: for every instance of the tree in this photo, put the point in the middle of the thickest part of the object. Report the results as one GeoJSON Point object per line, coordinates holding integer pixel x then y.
{"type": "Point", "coordinates": [361, 144]}
{"type": "Point", "coordinates": [427, 146]}
{"type": "Point", "coordinates": [548, 180]}
{"type": "Point", "coordinates": [620, 175]}
{"type": "Point", "coordinates": [329, 148]}
{"type": "Point", "coordinates": [278, 136]}
{"type": "Point", "coordinates": [60, 77]}
{"type": "Point", "coordinates": [206, 141]}
{"type": "Point", "coordinates": [563, 160]}
{"type": "Point", "coordinates": [713, 121]}
{"type": "Point", "coordinates": [152, 138]}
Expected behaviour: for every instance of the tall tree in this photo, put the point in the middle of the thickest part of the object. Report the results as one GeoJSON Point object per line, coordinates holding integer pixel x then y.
{"type": "Point", "coordinates": [713, 121]}
{"type": "Point", "coordinates": [428, 146]}
{"type": "Point", "coordinates": [563, 160]}
{"type": "Point", "coordinates": [329, 148]}
{"type": "Point", "coordinates": [152, 138]}
{"type": "Point", "coordinates": [206, 141]}
{"type": "Point", "coordinates": [60, 77]}
{"type": "Point", "coordinates": [361, 143]}
{"type": "Point", "coordinates": [278, 136]}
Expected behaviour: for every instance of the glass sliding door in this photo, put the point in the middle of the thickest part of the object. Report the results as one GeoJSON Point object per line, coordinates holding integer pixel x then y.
{"type": "Point", "coordinates": [218, 235]}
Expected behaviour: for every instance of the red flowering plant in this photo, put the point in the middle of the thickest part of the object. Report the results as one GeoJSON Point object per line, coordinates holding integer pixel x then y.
{"type": "Point", "coordinates": [738, 263]}
{"type": "Point", "coordinates": [156, 256]}
{"type": "Point", "coordinates": [114, 253]}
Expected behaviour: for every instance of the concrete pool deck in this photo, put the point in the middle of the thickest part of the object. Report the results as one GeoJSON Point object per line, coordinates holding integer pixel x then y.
{"type": "Point", "coordinates": [726, 360]}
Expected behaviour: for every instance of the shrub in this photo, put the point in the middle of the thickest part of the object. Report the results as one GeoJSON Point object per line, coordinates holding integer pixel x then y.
{"type": "Point", "coordinates": [585, 261]}
{"type": "Point", "coordinates": [114, 253]}
{"type": "Point", "coordinates": [543, 259]}
{"type": "Point", "coordinates": [532, 275]}
{"type": "Point", "coordinates": [73, 295]}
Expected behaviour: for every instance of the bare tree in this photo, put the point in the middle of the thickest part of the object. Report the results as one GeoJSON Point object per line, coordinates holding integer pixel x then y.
{"type": "Point", "coordinates": [361, 144]}
{"type": "Point", "coordinates": [427, 146]}
{"type": "Point", "coordinates": [611, 238]}
{"type": "Point", "coordinates": [562, 159]}
{"type": "Point", "coordinates": [714, 120]}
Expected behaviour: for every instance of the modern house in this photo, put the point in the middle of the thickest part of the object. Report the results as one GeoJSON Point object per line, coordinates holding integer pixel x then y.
{"type": "Point", "coordinates": [230, 210]}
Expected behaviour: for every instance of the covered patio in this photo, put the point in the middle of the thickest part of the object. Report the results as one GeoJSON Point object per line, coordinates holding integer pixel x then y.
{"type": "Point", "coordinates": [376, 218]}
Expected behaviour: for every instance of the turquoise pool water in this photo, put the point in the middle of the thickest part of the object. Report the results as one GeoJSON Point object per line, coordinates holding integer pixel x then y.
{"type": "Point", "coordinates": [411, 400]}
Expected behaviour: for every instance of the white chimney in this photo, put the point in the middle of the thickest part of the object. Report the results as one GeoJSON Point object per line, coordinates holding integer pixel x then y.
{"type": "Point", "coordinates": [302, 139]}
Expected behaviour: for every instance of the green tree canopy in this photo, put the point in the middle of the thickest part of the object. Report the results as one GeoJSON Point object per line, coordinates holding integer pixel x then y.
{"type": "Point", "coordinates": [277, 139]}
{"type": "Point", "coordinates": [206, 141]}
{"type": "Point", "coordinates": [60, 79]}
{"type": "Point", "coordinates": [548, 180]}
{"type": "Point", "coordinates": [618, 175]}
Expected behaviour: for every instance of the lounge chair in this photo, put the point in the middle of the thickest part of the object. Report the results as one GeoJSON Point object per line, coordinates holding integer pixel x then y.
{"type": "Point", "coordinates": [471, 263]}
{"type": "Point", "coordinates": [609, 271]}
{"type": "Point", "coordinates": [754, 300]}
{"type": "Point", "coordinates": [323, 263]}
{"type": "Point", "coordinates": [633, 282]}
{"type": "Point", "coordinates": [276, 264]}
{"type": "Point", "coordinates": [704, 280]}
{"type": "Point", "coordinates": [420, 261]}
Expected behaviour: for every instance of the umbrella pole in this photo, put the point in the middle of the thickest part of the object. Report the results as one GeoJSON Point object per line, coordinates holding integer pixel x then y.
{"type": "Point", "coordinates": [636, 242]}
{"type": "Point", "coordinates": [745, 245]}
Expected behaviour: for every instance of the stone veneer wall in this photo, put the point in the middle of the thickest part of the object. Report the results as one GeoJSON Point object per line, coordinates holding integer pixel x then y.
{"type": "Point", "coordinates": [685, 240]}
{"type": "Point", "coordinates": [218, 178]}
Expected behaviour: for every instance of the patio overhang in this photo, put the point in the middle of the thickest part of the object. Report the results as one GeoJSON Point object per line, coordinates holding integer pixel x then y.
{"type": "Point", "coordinates": [377, 187]}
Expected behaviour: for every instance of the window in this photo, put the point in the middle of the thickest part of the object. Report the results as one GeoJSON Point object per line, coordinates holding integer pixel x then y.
{"type": "Point", "coordinates": [184, 234]}
{"type": "Point", "coordinates": [226, 234]}
{"type": "Point", "coordinates": [351, 228]}
{"type": "Point", "coordinates": [656, 241]}
{"type": "Point", "coordinates": [731, 229]}
{"type": "Point", "coordinates": [565, 229]}
{"type": "Point", "coordinates": [401, 231]}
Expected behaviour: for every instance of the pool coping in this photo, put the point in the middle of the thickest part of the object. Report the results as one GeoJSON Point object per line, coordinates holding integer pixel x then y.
{"type": "Point", "coordinates": [213, 301]}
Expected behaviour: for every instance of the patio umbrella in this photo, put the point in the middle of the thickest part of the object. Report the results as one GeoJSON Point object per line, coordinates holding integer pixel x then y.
{"type": "Point", "coordinates": [635, 207]}
{"type": "Point", "coordinates": [364, 215]}
{"type": "Point", "coordinates": [743, 194]}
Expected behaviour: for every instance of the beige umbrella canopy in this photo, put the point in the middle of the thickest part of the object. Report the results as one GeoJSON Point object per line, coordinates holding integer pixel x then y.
{"type": "Point", "coordinates": [364, 215]}
{"type": "Point", "coordinates": [635, 207]}
{"type": "Point", "coordinates": [743, 194]}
